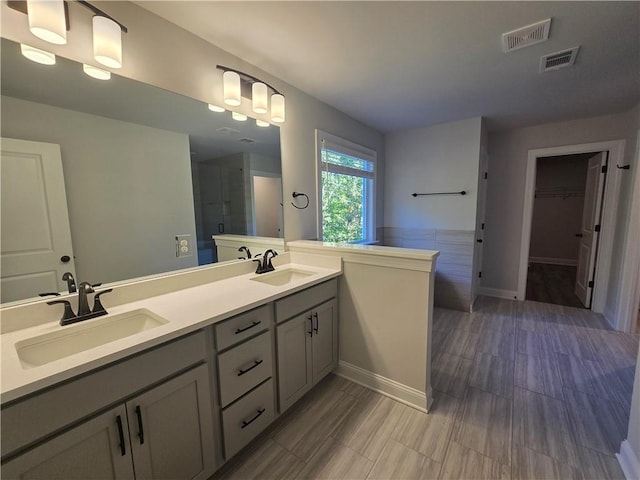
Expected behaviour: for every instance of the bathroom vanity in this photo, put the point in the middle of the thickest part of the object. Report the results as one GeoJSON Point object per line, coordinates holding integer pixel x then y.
{"type": "Point", "coordinates": [204, 371]}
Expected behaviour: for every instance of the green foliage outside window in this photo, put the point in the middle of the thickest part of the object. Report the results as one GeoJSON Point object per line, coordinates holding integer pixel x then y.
{"type": "Point", "coordinates": [342, 207]}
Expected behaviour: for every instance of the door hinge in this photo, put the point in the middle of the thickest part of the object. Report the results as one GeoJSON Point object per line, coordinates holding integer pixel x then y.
{"type": "Point", "coordinates": [482, 227]}
{"type": "Point", "coordinates": [486, 174]}
{"type": "Point", "coordinates": [604, 169]}
{"type": "Point", "coordinates": [479, 274]}
{"type": "Point", "coordinates": [596, 228]}
{"type": "Point", "coordinates": [590, 283]}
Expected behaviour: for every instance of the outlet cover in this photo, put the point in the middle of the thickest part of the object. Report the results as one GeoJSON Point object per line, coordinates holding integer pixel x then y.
{"type": "Point", "coordinates": [183, 246]}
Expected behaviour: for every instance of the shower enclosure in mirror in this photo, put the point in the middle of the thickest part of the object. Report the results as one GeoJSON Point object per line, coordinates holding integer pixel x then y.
{"type": "Point", "coordinates": [139, 168]}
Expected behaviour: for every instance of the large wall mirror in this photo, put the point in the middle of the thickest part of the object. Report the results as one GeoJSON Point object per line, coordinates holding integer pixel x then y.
{"type": "Point", "coordinates": [139, 167]}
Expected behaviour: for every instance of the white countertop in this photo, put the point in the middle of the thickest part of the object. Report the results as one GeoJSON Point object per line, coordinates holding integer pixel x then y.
{"type": "Point", "coordinates": [186, 310]}
{"type": "Point", "coordinates": [378, 250]}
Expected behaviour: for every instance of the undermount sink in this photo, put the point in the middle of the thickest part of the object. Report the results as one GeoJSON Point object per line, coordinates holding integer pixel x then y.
{"type": "Point", "coordinates": [282, 277]}
{"type": "Point", "coordinates": [70, 340]}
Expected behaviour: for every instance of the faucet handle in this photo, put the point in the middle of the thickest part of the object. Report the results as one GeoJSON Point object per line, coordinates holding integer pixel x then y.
{"type": "Point", "coordinates": [97, 304]}
{"type": "Point", "coordinates": [68, 311]}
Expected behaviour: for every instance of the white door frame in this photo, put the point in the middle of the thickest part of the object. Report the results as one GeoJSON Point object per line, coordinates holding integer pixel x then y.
{"type": "Point", "coordinates": [609, 212]}
{"type": "Point", "coordinates": [629, 297]}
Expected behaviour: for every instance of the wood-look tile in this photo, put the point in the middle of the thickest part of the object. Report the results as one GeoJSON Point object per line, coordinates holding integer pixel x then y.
{"type": "Point", "coordinates": [336, 461]}
{"type": "Point", "coordinates": [304, 433]}
{"type": "Point", "coordinates": [497, 342]}
{"type": "Point", "coordinates": [368, 435]}
{"type": "Point", "coordinates": [358, 415]}
{"type": "Point", "coordinates": [445, 319]}
{"type": "Point", "coordinates": [484, 425]}
{"type": "Point", "coordinates": [400, 462]}
{"type": "Point", "coordinates": [450, 374]}
{"type": "Point", "coordinates": [571, 342]}
{"type": "Point", "coordinates": [463, 463]}
{"type": "Point", "coordinates": [621, 348]}
{"type": "Point", "coordinates": [531, 465]}
{"type": "Point", "coordinates": [596, 425]}
{"type": "Point", "coordinates": [267, 460]}
{"type": "Point", "coordinates": [586, 376]}
{"type": "Point", "coordinates": [533, 343]}
{"type": "Point", "coordinates": [540, 423]}
{"type": "Point", "coordinates": [538, 374]}
{"type": "Point", "coordinates": [462, 342]}
{"type": "Point", "coordinates": [492, 374]}
{"type": "Point", "coordinates": [597, 466]}
{"type": "Point", "coordinates": [428, 433]}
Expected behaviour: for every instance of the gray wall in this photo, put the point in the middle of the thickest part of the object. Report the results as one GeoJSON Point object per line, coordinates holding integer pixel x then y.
{"type": "Point", "coordinates": [505, 199]}
{"type": "Point", "coordinates": [159, 53]}
{"type": "Point", "coordinates": [128, 188]}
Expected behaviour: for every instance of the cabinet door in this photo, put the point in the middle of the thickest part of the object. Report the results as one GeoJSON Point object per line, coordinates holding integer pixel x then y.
{"type": "Point", "coordinates": [172, 429]}
{"type": "Point", "coordinates": [97, 448]}
{"type": "Point", "coordinates": [294, 359]}
{"type": "Point", "coordinates": [324, 346]}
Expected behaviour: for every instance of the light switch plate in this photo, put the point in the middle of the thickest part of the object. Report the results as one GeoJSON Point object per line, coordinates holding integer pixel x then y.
{"type": "Point", "coordinates": [183, 245]}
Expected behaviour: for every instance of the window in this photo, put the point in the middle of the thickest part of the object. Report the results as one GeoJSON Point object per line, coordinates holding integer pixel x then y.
{"type": "Point", "coordinates": [346, 186]}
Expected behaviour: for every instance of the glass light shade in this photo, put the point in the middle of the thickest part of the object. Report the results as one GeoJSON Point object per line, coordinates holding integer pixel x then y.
{"type": "Point", "coordinates": [262, 123]}
{"type": "Point", "coordinates": [259, 97]}
{"type": "Point", "coordinates": [231, 84]}
{"type": "Point", "coordinates": [47, 20]}
{"type": "Point", "coordinates": [277, 108]}
{"type": "Point", "coordinates": [96, 72]}
{"type": "Point", "coordinates": [36, 55]}
{"type": "Point", "coordinates": [238, 116]}
{"type": "Point", "coordinates": [107, 42]}
{"type": "Point", "coordinates": [216, 108]}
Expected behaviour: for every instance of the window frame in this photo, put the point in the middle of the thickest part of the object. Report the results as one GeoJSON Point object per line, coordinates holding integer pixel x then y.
{"type": "Point", "coordinates": [356, 150]}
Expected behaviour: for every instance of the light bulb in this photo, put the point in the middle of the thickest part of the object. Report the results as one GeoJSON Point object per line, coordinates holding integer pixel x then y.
{"type": "Point", "coordinates": [96, 72]}
{"type": "Point", "coordinates": [277, 108]}
{"type": "Point", "coordinates": [47, 20]}
{"type": "Point", "coordinates": [262, 123]}
{"type": "Point", "coordinates": [231, 85]}
{"type": "Point", "coordinates": [259, 97]}
{"type": "Point", "coordinates": [107, 42]}
{"type": "Point", "coordinates": [36, 55]}
{"type": "Point", "coordinates": [238, 116]}
{"type": "Point", "coordinates": [216, 108]}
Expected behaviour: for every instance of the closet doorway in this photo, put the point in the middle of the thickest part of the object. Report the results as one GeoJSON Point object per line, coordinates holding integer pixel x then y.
{"type": "Point", "coordinates": [591, 228]}
{"type": "Point", "coordinates": [564, 228]}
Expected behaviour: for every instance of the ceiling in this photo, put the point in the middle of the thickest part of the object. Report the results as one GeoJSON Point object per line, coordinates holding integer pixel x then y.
{"type": "Point", "coordinates": [398, 65]}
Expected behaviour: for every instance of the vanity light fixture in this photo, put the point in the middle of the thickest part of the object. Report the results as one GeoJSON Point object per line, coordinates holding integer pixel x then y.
{"type": "Point", "coordinates": [47, 20]}
{"type": "Point", "coordinates": [36, 55]}
{"type": "Point", "coordinates": [238, 116]}
{"type": "Point", "coordinates": [237, 84]}
{"type": "Point", "coordinates": [231, 85]}
{"type": "Point", "coordinates": [216, 108]}
{"type": "Point", "coordinates": [96, 72]}
{"type": "Point", "coordinates": [262, 123]}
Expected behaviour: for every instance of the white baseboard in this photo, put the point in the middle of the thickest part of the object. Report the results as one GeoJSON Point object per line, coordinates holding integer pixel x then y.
{"type": "Point", "coordinates": [398, 391]}
{"type": "Point", "coordinates": [496, 292]}
{"type": "Point", "coordinates": [554, 261]}
{"type": "Point", "coordinates": [628, 461]}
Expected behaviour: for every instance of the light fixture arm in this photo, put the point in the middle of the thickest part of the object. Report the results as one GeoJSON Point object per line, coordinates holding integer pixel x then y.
{"type": "Point", "coordinates": [97, 11]}
{"type": "Point", "coordinates": [248, 77]}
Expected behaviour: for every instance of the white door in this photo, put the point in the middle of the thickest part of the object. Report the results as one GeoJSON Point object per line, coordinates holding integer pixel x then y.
{"type": "Point", "coordinates": [36, 238]}
{"type": "Point", "coordinates": [480, 214]}
{"type": "Point", "coordinates": [589, 233]}
{"type": "Point", "coordinates": [267, 198]}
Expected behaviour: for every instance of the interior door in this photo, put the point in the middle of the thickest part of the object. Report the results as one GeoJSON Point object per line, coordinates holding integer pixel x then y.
{"type": "Point", "coordinates": [35, 237]}
{"type": "Point", "coordinates": [480, 215]}
{"type": "Point", "coordinates": [589, 233]}
{"type": "Point", "coordinates": [267, 213]}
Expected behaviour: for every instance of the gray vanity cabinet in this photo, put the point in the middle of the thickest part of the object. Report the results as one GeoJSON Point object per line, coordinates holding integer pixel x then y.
{"type": "Point", "coordinates": [90, 450]}
{"type": "Point", "coordinates": [307, 343]}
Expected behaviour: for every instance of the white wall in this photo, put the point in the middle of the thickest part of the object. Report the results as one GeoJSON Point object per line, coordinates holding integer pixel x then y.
{"type": "Point", "coordinates": [128, 188]}
{"type": "Point", "coordinates": [505, 199]}
{"type": "Point", "coordinates": [556, 220]}
{"type": "Point", "coordinates": [161, 54]}
{"type": "Point", "coordinates": [432, 159]}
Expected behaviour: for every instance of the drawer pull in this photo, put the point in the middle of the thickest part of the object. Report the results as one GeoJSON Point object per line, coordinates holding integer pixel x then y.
{"type": "Point", "coordinates": [248, 327]}
{"type": "Point", "coordinates": [246, 423]}
{"type": "Point", "coordinates": [255, 364]}
{"type": "Point", "coordinates": [123, 450]}
{"type": "Point", "coordinates": [310, 332]}
{"type": "Point", "coordinates": [140, 429]}
{"type": "Point", "coordinates": [315, 316]}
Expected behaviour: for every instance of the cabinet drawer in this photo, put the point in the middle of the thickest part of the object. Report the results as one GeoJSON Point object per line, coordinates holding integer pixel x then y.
{"type": "Point", "coordinates": [243, 326]}
{"type": "Point", "coordinates": [305, 300]}
{"type": "Point", "coordinates": [243, 367]}
{"type": "Point", "coordinates": [246, 418]}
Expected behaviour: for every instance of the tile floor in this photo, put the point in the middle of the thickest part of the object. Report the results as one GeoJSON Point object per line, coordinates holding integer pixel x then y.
{"type": "Point", "coordinates": [522, 391]}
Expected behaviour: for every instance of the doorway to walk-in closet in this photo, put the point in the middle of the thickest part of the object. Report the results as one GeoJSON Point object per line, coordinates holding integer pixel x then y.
{"type": "Point", "coordinates": [565, 226]}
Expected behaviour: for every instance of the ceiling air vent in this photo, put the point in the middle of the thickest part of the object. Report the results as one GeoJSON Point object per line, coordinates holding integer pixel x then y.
{"type": "Point", "coordinates": [247, 140]}
{"type": "Point", "coordinates": [555, 61]}
{"type": "Point", "coordinates": [227, 131]}
{"type": "Point", "coordinates": [525, 36]}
